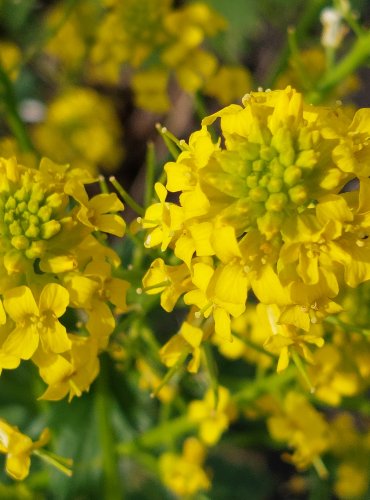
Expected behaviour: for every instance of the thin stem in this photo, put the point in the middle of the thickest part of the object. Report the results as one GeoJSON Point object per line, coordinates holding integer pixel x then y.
{"type": "Point", "coordinates": [126, 197]}
{"type": "Point", "coordinates": [103, 184]}
{"type": "Point", "coordinates": [170, 373]}
{"type": "Point", "coordinates": [59, 463]}
{"type": "Point", "coordinates": [172, 143]}
{"type": "Point", "coordinates": [357, 56]}
{"type": "Point", "coordinates": [149, 177]}
{"type": "Point", "coordinates": [302, 370]}
{"type": "Point", "coordinates": [156, 436]}
{"type": "Point", "coordinates": [266, 384]}
{"type": "Point", "coordinates": [212, 371]}
{"type": "Point", "coordinates": [309, 16]}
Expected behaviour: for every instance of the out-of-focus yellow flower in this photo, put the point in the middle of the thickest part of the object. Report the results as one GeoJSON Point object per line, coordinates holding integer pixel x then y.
{"type": "Point", "coordinates": [156, 40]}
{"type": "Point", "coordinates": [81, 128]}
{"type": "Point", "coordinates": [228, 84]}
{"type": "Point", "coordinates": [183, 474]}
{"type": "Point", "coordinates": [352, 447]}
{"type": "Point", "coordinates": [212, 416]}
{"type": "Point", "coordinates": [151, 90]}
{"type": "Point", "coordinates": [18, 447]}
{"type": "Point", "coordinates": [303, 428]}
{"type": "Point", "coordinates": [10, 58]}
{"type": "Point", "coordinates": [129, 32]}
{"type": "Point", "coordinates": [336, 371]}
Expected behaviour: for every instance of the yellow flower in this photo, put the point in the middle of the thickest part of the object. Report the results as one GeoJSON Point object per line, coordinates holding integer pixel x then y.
{"type": "Point", "coordinates": [212, 416]}
{"type": "Point", "coordinates": [169, 281]}
{"type": "Point", "coordinates": [10, 57]}
{"type": "Point", "coordinates": [71, 373]}
{"type": "Point", "coordinates": [129, 32]}
{"type": "Point", "coordinates": [302, 428]}
{"type": "Point", "coordinates": [95, 212]}
{"type": "Point", "coordinates": [222, 292]}
{"type": "Point", "coordinates": [18, 447]}
{"type": "Point", "coordinates": [228, 84]}
{"type": "Point", "coordinates": [183, 474]}
{"type": "Point", "coordinates": [163, 218]}
{"type": "Point", "coordinates": [187, 340]}
{"type": "Point", "coordinates": [285, 340]}
{"type": "Point", "coordinates": [150, 90]}
{"type": "Point", "coordinates": [36, 323]}
{"type": "Point", "coordinates": [351, 446]}
{"type": "Point", "coordinates": [81, 128]}
{"type": "Point", "coordinates": [332, 375]}
{"type": "Point", "coordinates": [70, 40]}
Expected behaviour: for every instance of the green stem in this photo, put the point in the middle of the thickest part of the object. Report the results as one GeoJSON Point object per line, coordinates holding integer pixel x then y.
{"type": "Point", "coordinates": [111, 481]}
{"type": "Point", "coordinates": [126, 197]}
{"type": "Point", "coordinates": [172, 143]}
{"type": "Point", "coordinates": [149, 177]}
{"type": "Point", "coordinates": [60, 463]}
{"type": "Point", "coordinates": [302, 370]}
{"type": "Point", "coordinates": [170, 373]}
{"type": "Point", "coordinates": [357, 56]}
{"type": "Point", "coordinates": [13, 118]}
{"type": "Point", "coordinates": [309, 16]}
{"type": "Point", "coordinates": [212, 370]}
{"type": "Point", "coordinates": [266, 384]}
{"type": "Point", "coordinates": [158, 435]}
{"type": "Point", "coordinates": [334, 320]}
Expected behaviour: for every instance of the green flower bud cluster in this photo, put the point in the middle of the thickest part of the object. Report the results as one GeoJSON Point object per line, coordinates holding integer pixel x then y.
{"type": "Point", "coordinates": [28, 217]}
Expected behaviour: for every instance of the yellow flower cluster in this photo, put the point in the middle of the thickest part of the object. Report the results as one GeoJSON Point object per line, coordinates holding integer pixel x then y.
{"type": "Point", "coordinates": [81, 127]}
{"type": "Point", "coordinates": [263, 208]}
{"type": "Point", "coordinates": [52, 262]}
{"type": "Point", "coordinates": [183, 474]}
{"type": "Point", "coordinates": [154, 41]}
{"type": "Point", "coordinates": [309, 434]}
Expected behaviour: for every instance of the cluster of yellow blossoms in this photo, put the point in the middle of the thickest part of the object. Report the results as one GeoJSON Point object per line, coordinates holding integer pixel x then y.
{"type": "Point", "coordinates": [263, 208]}
{"type": "Point", "coordinates": [147, 44]}
{"type": "Point", "coordinates": [277, 207]}
{"type": "Point", "coordinates": [56, 274]}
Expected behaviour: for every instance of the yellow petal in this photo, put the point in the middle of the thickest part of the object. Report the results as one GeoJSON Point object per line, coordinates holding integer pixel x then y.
{"type": "Point", "coordinates": [19, 303]}
{"type": "Point", "coordinates": [22, 342]}
{"type": "Point", "coordinates": [54, 298]}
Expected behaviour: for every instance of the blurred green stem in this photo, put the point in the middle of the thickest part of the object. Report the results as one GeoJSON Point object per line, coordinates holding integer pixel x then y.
{"type": "Point", "coordinates": [13, 118]}
{"type": "Point", "coordinates": [309, 16]}
{"type": "Point", "coordinates": [266, 384]}
{"type": "Point", "coordinates": [111, 482]}
{"type": "Point", "coordinates": [149, 177]}
{"type": "Point", "coordinates": [159, 435]}
{"type": "Point", "coordinates": [357, 56]}
{"type": "Point", "coordinates": [126, 197]}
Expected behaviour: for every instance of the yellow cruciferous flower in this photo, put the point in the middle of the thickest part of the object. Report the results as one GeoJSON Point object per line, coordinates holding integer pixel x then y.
{"type": "Point", "coordinates": [36, 322]}
{"type": "Point", "coordinates": [18, 448]}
